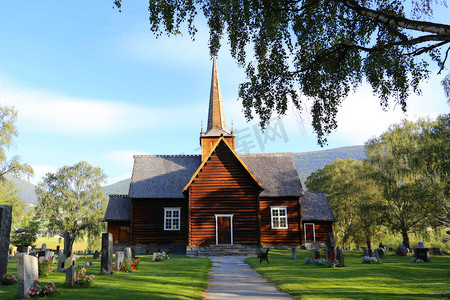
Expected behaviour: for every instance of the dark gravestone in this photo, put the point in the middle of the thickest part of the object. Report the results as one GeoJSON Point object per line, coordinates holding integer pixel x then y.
{"type": "Point", "coordinates": [5, 231]}
{"type": "Point", "coordinates": [317, 254]}
{"type": "Point", "coordinates": [107, 253]}
{"type": "Point", "coordinates": [96, 254]}
{"type": "Point", "coordinates": [381, 252]}
{"type": "Point", "coordinates": [403, 250]}
{"type": "Point", "coordinates": [41, 253]}
{"type": "Point", "coordinates": [366, 251]}
{"type": "Point", "coordinates": [437, 251]}
{"type": "Point", "coordinates": [423, 254]}
{"type": "Point", "coordinates": [294, 253]}
{"type": "Point", "coordinates": [330, 243]}
{"type": "Point", "coordinates": [421, 245]}
{"type": "Point", "coordinates": [67, 252]}
{"type": "Point", "coordinates": [340, 257]}
{"type": "Point", "coordinates": [57, 249]}
{"type": "Point", "coordinates": [71, 274]}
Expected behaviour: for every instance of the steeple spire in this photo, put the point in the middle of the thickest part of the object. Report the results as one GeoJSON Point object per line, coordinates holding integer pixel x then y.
{"type": "Point", "coordinates": [216, 116]}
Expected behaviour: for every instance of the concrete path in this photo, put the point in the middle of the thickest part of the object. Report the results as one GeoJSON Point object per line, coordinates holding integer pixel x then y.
{"type": "Point", "coordinates": [231, 278]}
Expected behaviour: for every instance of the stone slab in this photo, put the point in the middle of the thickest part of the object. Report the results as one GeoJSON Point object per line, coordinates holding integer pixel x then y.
{"type": "Point", "coordinates": [27, 272]}
{"type": "Point", "coordinates": [5, 232]}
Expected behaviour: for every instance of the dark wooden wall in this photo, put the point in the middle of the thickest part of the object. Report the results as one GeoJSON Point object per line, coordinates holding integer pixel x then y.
{"type": "Point", "coordinates": [148, 222]}
{"type": "Point", "coordinates": [291, 235]}
{"type": "Point", "coordinates": [322, 228]}
{"type": "Point", "coordinates": [121, 232]}
{"type": "Point", "coordinates": [223, 186]}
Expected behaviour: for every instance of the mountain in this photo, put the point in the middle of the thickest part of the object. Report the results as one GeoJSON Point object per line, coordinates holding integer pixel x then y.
{"type": "Point", "coordinates": [305, 162]}
{"type": "Point", "coordinates": [309, 162]}
{"type": "Point", "coordinates": [26, 190]}
{"type": "Point", "coordinates": [120, 187]}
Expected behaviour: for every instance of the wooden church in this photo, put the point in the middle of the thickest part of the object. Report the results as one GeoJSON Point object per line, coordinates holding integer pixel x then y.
{"type": "Point", "coordinates": [188, 202]}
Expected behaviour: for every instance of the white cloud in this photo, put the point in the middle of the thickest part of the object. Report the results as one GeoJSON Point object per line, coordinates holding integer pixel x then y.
{"type": "Point", "coordinates": [40, 171]}
{"type": "Point", "coordinates": [123, 158]}
{"type": "Point", "coordinates": [118, 178]}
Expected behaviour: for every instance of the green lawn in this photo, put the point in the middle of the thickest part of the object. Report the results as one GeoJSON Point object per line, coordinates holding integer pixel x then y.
{"type": "Point", "coordinates": [179, 277]}
{"type": "Point", "coordinates": [395, 278]}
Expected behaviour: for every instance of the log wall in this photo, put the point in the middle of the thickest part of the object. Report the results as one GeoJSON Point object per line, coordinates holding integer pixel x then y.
{"type": "Point", "coordinates": [121, 232]}
{"type": "Point", "coordinates": [290, 236]}
{"type": "Point", "coordinates": [321, 228]}
{"type": "Point", "coordinates": [223, 186]}
{"type": "Point", "coordinates": [148, 222]}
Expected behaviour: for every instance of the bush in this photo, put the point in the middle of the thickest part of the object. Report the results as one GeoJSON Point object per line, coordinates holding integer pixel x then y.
{"type": "Point", "coordinates": [321, 262]}
{"type": "Point", "coordinates": [369, 260]}
{"type": "Point", "coordinates": [38, 290]}
{"type": "Point", "coordinates": [26, 236]}
{"type": "Point", "coordinates": [45, 267]}
{"type": "Point", "coordinates": [135, 262]}
{"type": "Point", "coordinates": [9, 279]}
{"type": "Point", "coordinates": [83, 280]}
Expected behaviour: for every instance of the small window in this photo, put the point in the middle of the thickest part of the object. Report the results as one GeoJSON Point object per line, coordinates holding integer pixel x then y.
{"type": "Point", "coordinates": [279, 217]}
{"type": "Point", "coordinates": [172, 218]}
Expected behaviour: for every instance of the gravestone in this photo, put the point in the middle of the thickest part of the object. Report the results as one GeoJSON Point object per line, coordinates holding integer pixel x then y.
{"type": "Point", "coordinates": [49, 254]}
{"type": "Point", "coordinates": [28, 250]}
{"type": "Point", "coordinates": [5, 231]}
{"type": "Point", "coordinates": [13, 251]}
{"type": "Point", "coordinates": [366, 251]}
{"type": "Point", "coordinates": [41, 253]}
{"type": "Point", "coordinates": [67, 252]}
{"type": "Point", "coordinates": [96, 254]}
{"type": "Point", "coordinates": [423, 254]}
{"type": "Point", "coordinates": [316, 254]}
{"type": "Point", "coordinates": [340, 257]}
{"type": "Point", "coordinates": [27, 272]}
{"type": "Point", "coordinates": [61, 263]}
{"type": "Point", "coordinates": [71, 274]}
{"type": "Point", "coordinates": [376, 255]}
{"type": "Point", "coordinates": [382, 246]}
{"type": "Point", "coordinates": [330, 243]}
{"type": "Point", "coordinates": [72, 260]}
{"type": "Point", "coordinates": [421, 245]}
{"type": "Point", "coordinates": [119, 259]}
{"type": "Point", "coordinates": [294, 253]}
{"type": "Point", "coordinates": [107, 246]}
{"type": "Point", "coordinates": [127, 254]}
{"type": "Point", "coordinates": [57, 249]}
{"type": "Point", "coordinates": [357, 247]}
{"type": "Point", "coordinates": [403, 249]}
{"type": "Point", "coordinates": [381, 252]}
{"type": "Point", "coordinates": [44, 247]}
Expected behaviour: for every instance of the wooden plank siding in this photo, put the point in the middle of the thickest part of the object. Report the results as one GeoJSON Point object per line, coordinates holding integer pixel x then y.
{"type": "Point", "coordinates": [290, 236]}
{"type": "Point", "coordinates": [223, 186]}
{"type": "Point", "coordinates": [322, 228]}
{"type": "Point", "coordinates": [148, 222]}
{"type": "Point", "coordinates": [120, 232]}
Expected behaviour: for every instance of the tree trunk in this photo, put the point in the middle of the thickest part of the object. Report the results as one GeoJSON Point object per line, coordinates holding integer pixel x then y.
{"type": "Point", "coordinates": [405, 238]}
{"type": "Point", "coordinates": [369, 246]}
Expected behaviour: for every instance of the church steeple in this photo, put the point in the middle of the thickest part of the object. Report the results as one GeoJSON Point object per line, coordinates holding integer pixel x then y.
{"type": "Point", "coordinates": [216, 117]}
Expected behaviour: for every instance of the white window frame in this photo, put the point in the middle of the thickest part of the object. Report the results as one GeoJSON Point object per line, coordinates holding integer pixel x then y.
{"type": "Point", "coordinates": [314, 230]}
{"type": "Point", "coordinates": [272, 217]}
{"type": "Point", "coordinates": [231, 228]}
{"type": "Point", "coordinates": [172, 209]}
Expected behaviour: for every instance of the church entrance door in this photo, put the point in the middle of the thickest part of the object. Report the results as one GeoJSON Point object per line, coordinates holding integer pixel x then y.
{"type": "Point", "coordinates": [224, 229]}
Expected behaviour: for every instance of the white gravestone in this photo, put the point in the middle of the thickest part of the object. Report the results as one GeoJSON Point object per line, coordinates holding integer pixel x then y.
{"type": "Point", "coordinates": [119, 259]}
{"type": "Point", "coordinates": [27, 272]}
{"type": "Point", "coordinates": [127, 254]}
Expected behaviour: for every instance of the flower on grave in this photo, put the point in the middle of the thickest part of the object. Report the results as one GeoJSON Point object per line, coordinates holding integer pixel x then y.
{"type": "Point", "coordinates": [9, 279]}
{"type": "Point", "coordinates": [45, 267]}
{"type": "Point", "coordinates": [38, 289]}
{"type": "Point", "coordinates": [114, 269]}
{"type": "Point", "coordinates": [83, 280]}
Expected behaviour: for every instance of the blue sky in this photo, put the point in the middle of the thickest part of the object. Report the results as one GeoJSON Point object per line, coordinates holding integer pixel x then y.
{"type": "Point", "coordinates": [90, 83]}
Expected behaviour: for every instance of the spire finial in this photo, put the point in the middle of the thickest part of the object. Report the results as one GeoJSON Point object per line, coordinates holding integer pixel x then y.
{"type": "Point", "coordinates": [216, 117]}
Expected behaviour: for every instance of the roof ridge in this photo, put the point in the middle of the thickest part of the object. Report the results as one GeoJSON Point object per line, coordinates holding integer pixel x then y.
{"type": "Point", "coordinates": [263, 154]}
{"type": "Point", "coordinates": [166, 155]}
{"type": "Point", "coordinates": [118, 195]}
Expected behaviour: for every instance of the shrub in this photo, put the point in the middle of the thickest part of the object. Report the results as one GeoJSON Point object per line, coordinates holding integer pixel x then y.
{"type": "Point", "coordinates": [40, 290]}
{"type": "Point", "coordinates": [135, 262]}
{"type": "Point", "coordinates": [125, 266]}
{"type": "Point", "coordinates": [321, 262]}
{"type": "Point", "coordinates": [369, 260]}
{"type": "Point", "coordinates": [83, 280]}
{"type": "Point", "coordinates": [45, 267]}
{"type": "Point", "coordinates": [26, 236]}
{"type": "Point", "coordinates": [9, 279]}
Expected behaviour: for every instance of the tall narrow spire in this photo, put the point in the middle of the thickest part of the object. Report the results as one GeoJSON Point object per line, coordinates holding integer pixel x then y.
{"type": "Point", "coordinates": [216, 116]}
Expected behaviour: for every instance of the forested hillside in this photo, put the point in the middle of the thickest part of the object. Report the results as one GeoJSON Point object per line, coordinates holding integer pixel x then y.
{"type": "Point", "coordinates": [305, 162]}
{"type": "Point", "coordinates": [308, 162]}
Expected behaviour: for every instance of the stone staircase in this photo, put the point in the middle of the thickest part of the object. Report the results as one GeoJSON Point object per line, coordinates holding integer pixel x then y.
{"type": "Point", "coordinates": [224, 250]}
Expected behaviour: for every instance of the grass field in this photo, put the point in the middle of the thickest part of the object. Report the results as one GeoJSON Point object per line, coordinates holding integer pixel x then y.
{"type": "Point", "coordinates": [51, 242]}
{"type": "Point", "coordinates": [395, 278]}
{"type": "Point", "coordinates": [179, 277]}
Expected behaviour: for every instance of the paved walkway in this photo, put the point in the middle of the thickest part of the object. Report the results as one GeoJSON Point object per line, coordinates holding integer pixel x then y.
{"type": "Point", "coordinates": [231, 278]}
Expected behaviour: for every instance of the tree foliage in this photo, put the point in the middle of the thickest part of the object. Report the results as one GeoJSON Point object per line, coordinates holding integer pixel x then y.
{"type": "Point", "coordinates": [8, 196]}
{"type": "Point", "coordinates": [72, 200]}
{"type": "Point", "coordinates": [8, 131]}
{"type": "Point", "coordinates": [354, 197]}
{"type": "Point", "coordinates": [27, 235]}
{"type": "Point", "coordinates": [412, 161]}
{"type": "Point", "coordinates": [318, 49]}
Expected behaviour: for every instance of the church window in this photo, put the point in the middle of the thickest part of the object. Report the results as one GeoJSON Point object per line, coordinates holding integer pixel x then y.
{"type": "Point", "coordinates": [279, 217]}
{"type": "Point", "coordinates": [172, 218]}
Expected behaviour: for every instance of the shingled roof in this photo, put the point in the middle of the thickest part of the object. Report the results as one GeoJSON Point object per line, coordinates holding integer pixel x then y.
{"type": "Point", "coordinates": [162, 176]}
{"type": "Point", "coordinates": [165, 176]}
{"type": "Point", "coordinates": [276, 172]}
{"type": "Point", "coordinates": [119, 208]}
{"type": "Point", "coordinates": [315, 207]}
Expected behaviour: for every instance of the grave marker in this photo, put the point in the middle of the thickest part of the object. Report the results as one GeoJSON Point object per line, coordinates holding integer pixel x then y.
{"type": "Point", "coordinates": [5, 231]}
{"type": "Point", "coordinates": [107, 245]}
{"type": "Point", "coordinates": [70, 276]}
{"type": "Point", "coordinates": [27, 272]}
{"type": "Point", "coordinates": [127, 254]}
{"type": "Point", "coordinates": [119, 259]}
{"type": "Point", "coordinates": [330, 243]}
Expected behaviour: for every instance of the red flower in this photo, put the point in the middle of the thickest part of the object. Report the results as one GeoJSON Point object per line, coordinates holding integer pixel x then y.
{"type": "Point", "coordinates": [120, 269]}
{"type": "Point", "coordinates": [114, 269]}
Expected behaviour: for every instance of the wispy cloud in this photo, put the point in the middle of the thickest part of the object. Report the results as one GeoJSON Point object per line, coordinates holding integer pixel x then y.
{"type": "Point", "coordinates": [40, 171]}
